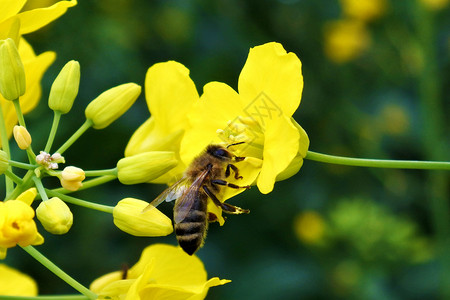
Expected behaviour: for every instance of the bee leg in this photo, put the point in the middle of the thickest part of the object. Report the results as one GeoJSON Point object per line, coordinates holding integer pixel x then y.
{"type": "Point", "coordinates": [235, 170]}
{"type": "Point", "coordinates": [231, 185]}
{"type": "Point", "coordinates": [228, 208]}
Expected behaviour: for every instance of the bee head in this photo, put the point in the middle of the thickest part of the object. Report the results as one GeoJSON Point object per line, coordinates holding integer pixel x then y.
{"type": "Point", "coordinates": [219, 152]}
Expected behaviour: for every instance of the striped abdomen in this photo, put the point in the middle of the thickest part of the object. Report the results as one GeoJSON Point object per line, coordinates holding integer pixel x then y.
{"type": "Point", "coordinates": [191, 231]}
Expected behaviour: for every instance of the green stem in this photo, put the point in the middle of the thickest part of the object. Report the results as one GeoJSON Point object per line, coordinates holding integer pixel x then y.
{"type": "Point", "coordinates": [40, 188]}
{"type": "Point", "coordinates": [14, 177]}
{"type": "Point", "coordinates": [86, 125]}
{"type": "Point", "coordinates": [58, 272]}
{"type": "Point", "coordinates": [21, 165]}
{"type": "Point", "coordinates": [51, 137]}
{"type": "Point", "coordinates": [5, 146]}
{"type": "Point", "coordinates": [106, 172]}
{"type": "Point", "coordinates": [378, 163]}
{"type": "Point", "coordinates": [52, 297]}
{"type": "Point", "coordinates": [19, 112]}
{"type": "Point", "coordinates": [76, 201]}
{"type": "Point", "coordinates": [89, 183]}
{"type": "Point", "coordinates": [26, 181]}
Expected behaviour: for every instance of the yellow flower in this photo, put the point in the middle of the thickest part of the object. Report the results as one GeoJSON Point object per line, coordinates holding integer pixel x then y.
{"type": "Point", "coordinates": [170, 94]}
{"type": "Point", "coordinates": [345, 40]}
{"type": "Point", "coordinates": [13, 24]}
{"type": "Point", "coordinates": [162, 272]}
{"type": "Point", "coordinates": [364, 10]}
{"type": "Point", "coordinates": [15, 283]}
{"type": "Point", "coordinates": [22, 137]}
{"type": "Point", "coordinates": [55, 216]}
{"type": "Point", "coordinates": [111, 104]}
{"type": "Point", "coordinates": [16, 223]}
{"type": "Point", "coordinates": [270, 88]}
{"type": "Point", "coordinates": [131, 217]}
{"type": "Point", "coordinates": [145, 167]}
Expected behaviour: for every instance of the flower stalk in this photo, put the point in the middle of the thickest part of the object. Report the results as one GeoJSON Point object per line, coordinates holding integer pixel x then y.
{"type": "Point", "coordinates": [378, 163]}
{"type": "Point", "coordinates": [86, 125]}
{"type": "Point", "coordinates": [58, 272]}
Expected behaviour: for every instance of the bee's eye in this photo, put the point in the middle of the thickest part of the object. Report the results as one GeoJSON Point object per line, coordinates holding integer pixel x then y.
{"type": "Point", "coordinates": [221, 153]}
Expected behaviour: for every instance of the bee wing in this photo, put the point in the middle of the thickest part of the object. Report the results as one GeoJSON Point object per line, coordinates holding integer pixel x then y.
{"type": "Point", "coordinates": [171, 193]}
{"type": "Point", "coordinates": [184, 203]}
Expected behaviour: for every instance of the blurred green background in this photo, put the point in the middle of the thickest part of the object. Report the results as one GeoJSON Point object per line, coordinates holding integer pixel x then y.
{"type": "Point", "coordinates": [329, 232]}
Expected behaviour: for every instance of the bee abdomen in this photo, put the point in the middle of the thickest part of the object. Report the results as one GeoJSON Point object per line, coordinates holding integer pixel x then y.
{"type": "Point", "coordinates": [191, 234]}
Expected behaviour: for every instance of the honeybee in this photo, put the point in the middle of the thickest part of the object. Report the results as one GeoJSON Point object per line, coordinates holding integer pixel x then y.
{"type": "Point", "coordinates": [202, 180]}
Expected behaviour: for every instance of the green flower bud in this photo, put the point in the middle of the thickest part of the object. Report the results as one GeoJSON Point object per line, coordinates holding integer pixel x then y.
{"type": "Point", "coordinates": [130, 216]}
{"type": "Point", "coordinates": [4, 164]}
{"type": "Point", "coordinates": [145, 167]}
{"type": "Point", "coordinates": [55, 216]}
{"type": "Point", "coordinates": [65, 88]}
{"type": "Point", "coordinates": [12, 73]}
{"type": "Point", "coordinates": [111, 104]}
{"type": "Point", "coordinates": [22, 137]}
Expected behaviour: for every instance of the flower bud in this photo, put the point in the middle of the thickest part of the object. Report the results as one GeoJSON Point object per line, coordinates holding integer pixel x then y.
{"type": "Point", "coordinates": [22, 137]}
{"type": "Point", "coordinates": [65, 88]}
{"type": "Point", "coordinates": [71, 178]}
{"type": "Point", "coordinates": [12, 73]}
{"type": "Point", "coordinates": [145, 167]}
{"type": "Point", "coordinates": [73, 174]}
{"type": "Point", "coordinates": [111, 104]}
{"type": "Point", "coordinates": [55, 216]}
{"type": "Point", "coordinates": [4, 164]}
{"type": "Point", "coordinates": [130, 216]}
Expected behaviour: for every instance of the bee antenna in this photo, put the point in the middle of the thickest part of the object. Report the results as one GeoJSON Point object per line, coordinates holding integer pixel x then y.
{"type": "Point", "coordinates": [234, 144]}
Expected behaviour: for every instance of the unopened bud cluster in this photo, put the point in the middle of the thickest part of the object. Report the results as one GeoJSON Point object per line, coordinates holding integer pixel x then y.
{"type": "Point", "coordinates": [55, 216]}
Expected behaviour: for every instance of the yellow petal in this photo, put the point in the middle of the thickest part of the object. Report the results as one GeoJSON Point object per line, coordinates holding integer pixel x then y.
{"type": "Point", "coordinates": [10, 29]}
{"type": "Point", "coordinates": [35, 67]}
{"type": "Point", "coordinates": [218, 105]}
{"type": "Point", "coordinates": [34, 19]}
{"type": "Point", "coordinates": [280, 148]}
{"type": "Point", "coordinates": [172, 266]}
{"type": "Point", "coordinates": [165, 292]}
{"type": "Point", "coordinates": [28, 196]}
{"type": "Point", "coordinates": [141, 281]}
{"type": "Point", "coordinates": [148, 137]}
{"type": "Point", "coordinates": [102, 282]}
{"type": "Point", "coordinates": [277, 74]}
{"type": "Point", "coordinates": [10, 8]}
{"type": "Point", "coordinates": [15, 283]}
{"type": "Point", "coordinates": [170, 93]}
